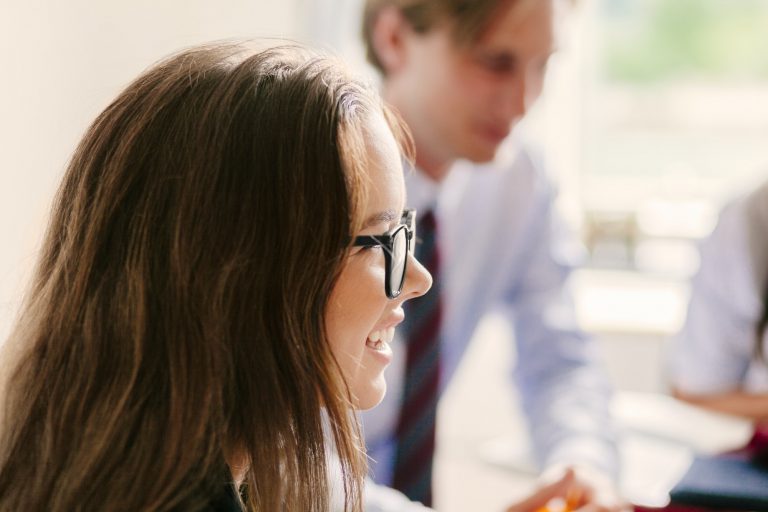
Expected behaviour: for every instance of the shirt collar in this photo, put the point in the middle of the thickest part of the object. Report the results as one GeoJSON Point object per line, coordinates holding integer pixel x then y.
{"type": "Point", "coordinates": [422, 191]}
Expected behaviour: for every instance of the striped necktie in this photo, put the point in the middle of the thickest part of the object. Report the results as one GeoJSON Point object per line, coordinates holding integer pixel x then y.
{"type": "Point", "coordinates": [418, 411]}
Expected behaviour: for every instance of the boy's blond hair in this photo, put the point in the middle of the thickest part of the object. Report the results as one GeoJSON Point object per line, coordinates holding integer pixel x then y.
{"type": "Point", "coordinates": [469, 18]}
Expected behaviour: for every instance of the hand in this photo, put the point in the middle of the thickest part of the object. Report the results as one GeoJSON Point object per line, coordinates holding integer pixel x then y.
{"type": "Point", "coordinates": [538, 501]}
{"type": "Point", "coordinates": [587, 490]}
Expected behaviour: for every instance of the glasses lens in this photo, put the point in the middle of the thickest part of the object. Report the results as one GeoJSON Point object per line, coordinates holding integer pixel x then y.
{"type": "Point", "coordinates": [399, 256]}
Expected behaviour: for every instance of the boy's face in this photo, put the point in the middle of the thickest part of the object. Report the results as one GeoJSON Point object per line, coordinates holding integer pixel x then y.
{"type": "Point", "coordinates": [463, 101]}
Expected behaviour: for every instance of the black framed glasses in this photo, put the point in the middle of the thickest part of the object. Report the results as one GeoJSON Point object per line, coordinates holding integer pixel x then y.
{"type": "Point", "coordinates": [396, 245]}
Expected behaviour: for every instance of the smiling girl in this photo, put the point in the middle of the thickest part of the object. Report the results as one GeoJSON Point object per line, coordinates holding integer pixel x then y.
{"type": "Point", "coordinates": [202, 308]}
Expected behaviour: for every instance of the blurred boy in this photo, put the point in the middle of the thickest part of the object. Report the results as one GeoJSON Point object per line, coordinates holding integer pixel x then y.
{"type": "Point", "coordinates": [463, 73]}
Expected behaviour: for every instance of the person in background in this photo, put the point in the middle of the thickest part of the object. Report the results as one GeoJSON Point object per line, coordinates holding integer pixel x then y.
{"type": "Point", "coordinates": [463, 73]}
{"type": "Point", "coordinates": [719, 359]}
{"type": "Point", "coordinates": [224, 263]}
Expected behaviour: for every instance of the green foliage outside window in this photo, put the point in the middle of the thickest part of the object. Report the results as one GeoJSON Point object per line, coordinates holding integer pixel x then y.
{"type": "Point", "coordinates": [648, 41]}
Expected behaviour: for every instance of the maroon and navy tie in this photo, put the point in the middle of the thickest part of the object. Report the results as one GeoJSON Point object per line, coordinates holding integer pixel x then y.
{"type": "Point", "coordinates": [418, 411]}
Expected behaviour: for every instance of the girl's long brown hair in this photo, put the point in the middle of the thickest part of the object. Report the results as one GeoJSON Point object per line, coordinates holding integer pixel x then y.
{"type": "Point", "coordinates": [176, 315]}
{"type": "Point", "coordinates": [756, 221]}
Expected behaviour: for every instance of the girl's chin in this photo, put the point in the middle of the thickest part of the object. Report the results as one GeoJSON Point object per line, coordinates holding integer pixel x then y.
{"type": "Point", "coordinates": [373, 396]}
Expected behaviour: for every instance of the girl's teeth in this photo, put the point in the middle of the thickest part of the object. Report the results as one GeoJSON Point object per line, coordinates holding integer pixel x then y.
{"type": "Point", "coordinates": [377, 339]}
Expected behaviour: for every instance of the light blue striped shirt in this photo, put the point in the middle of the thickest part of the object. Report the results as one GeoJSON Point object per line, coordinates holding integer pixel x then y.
{"type": "Point", "coordinates": [713, 352]}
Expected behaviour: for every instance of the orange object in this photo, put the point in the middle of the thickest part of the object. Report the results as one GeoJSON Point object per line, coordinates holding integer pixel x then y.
{"type": "Point", "coordinates": [572, 499]}
{"type": "Point", "coordinates": [569, 504]}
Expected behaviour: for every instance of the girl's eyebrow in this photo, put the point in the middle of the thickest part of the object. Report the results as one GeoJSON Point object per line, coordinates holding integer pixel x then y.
{"type": "Point", "coordinates": [385, 216]}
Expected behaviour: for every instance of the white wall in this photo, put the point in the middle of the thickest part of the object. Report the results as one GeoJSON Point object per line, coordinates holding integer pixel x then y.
{"type": "Point", "coordinates": [62, 62]}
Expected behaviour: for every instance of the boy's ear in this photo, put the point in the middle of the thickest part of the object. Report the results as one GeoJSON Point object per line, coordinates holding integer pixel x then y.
{"type": "Point", "coordinates": [388, 37]}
